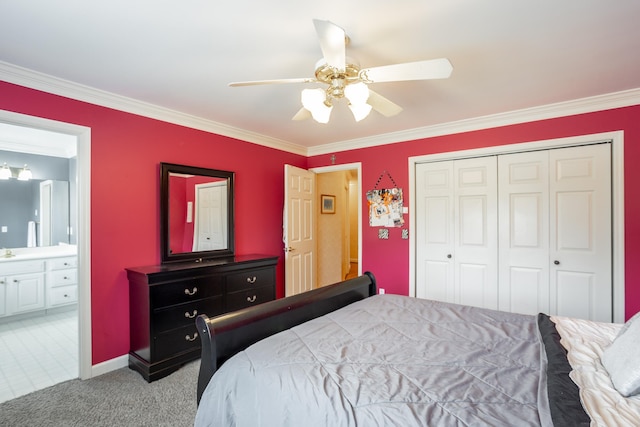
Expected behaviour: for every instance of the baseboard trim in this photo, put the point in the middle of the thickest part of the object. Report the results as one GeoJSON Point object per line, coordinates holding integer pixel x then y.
{"type": "Point", "coordinates": [110, 365]}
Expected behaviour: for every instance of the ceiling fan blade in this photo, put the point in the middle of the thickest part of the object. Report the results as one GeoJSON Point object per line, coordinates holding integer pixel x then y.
{"type": "Point", "coordinates": [302, 114]}
{"type": "Point", "coordinates": [332, 42]}
{"type": "Point", "coordinates": [273, 82]}
{"type": "Point", "coordinates": [382, 105]}
{"type": "Point", "coordinates": [420, 70]}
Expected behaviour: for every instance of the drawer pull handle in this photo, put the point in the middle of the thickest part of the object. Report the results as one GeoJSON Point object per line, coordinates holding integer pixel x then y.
{"type": "Point", "coordinates": [252, 279]}
{"type": "Point", "coordinates": [251, 299]}
{"type": "Point", "coordinates": [66, 278]}
{"type": "Point", "coordinates": [192, 315]}
{"type": "Point", "coordinates": [192, 292]}
{"type": "Point", "coordinates": [188, 338]}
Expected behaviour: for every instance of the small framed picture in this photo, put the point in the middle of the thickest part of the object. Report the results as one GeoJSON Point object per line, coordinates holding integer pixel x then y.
{"type": "Point", "coordinates": [327, 204]}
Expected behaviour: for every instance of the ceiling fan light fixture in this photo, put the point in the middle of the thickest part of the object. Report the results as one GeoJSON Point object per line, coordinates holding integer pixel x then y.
{"type": "Point", "coordinates": [315, 100]}
{"type": "Point", "coordinates": [358, 94]}
{"type": "Point", "coordinates": [360, 111]}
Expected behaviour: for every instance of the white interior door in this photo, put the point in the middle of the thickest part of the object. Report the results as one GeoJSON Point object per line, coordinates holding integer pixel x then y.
{"type": "Point", "coordinates": [299, 230]}
{"type": "Point", "coordinates": [580, 251]}
{"type": "Point", "coordinates": [524, 232]}
{"type": "Point", "coordinates": [435, 231]}
{"type": "Point", "coordinates": [210, 228]}
{"type": "Point", "coordinates": [457, 231]}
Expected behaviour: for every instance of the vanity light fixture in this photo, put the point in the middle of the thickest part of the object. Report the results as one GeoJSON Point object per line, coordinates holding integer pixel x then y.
{"type": "Point", "coordinates": [5, 172]}
{"type": "Point", "coordinates": [25, 174]}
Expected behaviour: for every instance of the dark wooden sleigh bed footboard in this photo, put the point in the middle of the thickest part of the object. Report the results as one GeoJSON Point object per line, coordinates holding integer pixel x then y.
{"type": "Point", "coordinates": [225, 335]}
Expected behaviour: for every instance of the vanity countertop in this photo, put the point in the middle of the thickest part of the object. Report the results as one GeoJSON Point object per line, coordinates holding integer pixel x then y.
{"type": "Point", "coordinates": [25, 254]}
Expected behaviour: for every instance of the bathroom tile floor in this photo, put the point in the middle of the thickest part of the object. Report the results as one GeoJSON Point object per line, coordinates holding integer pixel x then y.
{"type": "Point", "coordinates": [38, 352]}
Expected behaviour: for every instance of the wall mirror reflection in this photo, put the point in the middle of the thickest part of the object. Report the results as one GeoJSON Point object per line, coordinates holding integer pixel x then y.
{"type": "Point", "coordinates": [196, 213]}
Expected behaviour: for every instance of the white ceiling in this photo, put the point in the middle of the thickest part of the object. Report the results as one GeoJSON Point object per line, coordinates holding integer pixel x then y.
{"type": "Point", "coordinates": [180, 55]}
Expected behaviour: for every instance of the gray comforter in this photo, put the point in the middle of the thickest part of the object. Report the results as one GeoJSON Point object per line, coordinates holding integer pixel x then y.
{"type": "Point", "coordinates": [387, 360]}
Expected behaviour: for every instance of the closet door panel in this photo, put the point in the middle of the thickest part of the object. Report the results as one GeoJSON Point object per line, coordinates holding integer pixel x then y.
{"type": "Point", "coordinates": [476, 244]}
{"type": "Point", "coordinates": [580, 249]}
{"type": "Point", "coordinates": [524, 229]}
{"type": "Point", "coordinates": [434, 231]}
{"type": "Point", "coordinates": [529, 295]}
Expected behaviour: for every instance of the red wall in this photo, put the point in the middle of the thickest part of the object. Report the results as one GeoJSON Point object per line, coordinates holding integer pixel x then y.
{"type": "Point", "coordinates": [127, 150]}
{"type": "Point", "coordinates": [389, 259]}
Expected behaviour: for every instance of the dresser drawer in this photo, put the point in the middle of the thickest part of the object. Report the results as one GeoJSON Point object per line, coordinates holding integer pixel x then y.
{"type": "Point", "coordinates": [249, 279]}
{"type": "Point", "coordinates": [63, 277]}
{"type": "Point", "coordinates": [185, 314]}
{"type": "Point", "coordinates": [175, 341]}
{"type": "Point", "coordinates": [249, 297]}
{"type": "Point", "coordinates": [182, 291]}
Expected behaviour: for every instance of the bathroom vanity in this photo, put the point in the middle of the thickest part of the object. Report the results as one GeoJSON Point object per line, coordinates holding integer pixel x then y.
{"type": "Point", "coordinates": [35, 279]}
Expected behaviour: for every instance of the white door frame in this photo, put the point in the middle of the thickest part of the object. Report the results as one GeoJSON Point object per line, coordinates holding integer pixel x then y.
{"type": "Point", "coordinates": [617, 192]}
{"type": "Point", "coordinates": [343, 167]}
{"type": "Point", "coordinates": [83, 143]}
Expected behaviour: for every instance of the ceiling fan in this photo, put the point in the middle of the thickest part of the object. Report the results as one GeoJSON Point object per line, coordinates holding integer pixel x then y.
{"type": "Point", "coordinates": [345, 79]}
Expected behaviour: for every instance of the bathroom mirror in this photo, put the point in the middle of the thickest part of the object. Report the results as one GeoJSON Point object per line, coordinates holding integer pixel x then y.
{"type": "Point", "coordinates": [35, 213]}
{"type": "Point", "coordinates": [196, 213]}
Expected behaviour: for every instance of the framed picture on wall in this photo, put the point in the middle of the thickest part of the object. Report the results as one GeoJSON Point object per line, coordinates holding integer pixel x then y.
{"type": "Point", "coordinates": [327, 204]}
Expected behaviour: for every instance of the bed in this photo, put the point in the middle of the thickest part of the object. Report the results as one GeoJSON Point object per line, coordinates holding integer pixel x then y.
{"type": "Point", "coordinates": [343, 356]}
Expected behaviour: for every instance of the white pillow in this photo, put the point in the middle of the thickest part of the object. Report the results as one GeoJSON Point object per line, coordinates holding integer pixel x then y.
{"type": "Point", "coordinates": [622, 358]}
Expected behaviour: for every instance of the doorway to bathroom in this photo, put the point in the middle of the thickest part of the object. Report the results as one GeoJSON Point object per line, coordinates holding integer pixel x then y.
{"type": "Point", "coordinates": [45, 304]}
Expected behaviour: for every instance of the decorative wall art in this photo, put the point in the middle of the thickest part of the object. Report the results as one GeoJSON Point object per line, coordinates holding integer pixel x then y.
{"type": "Point", "coordinates": [327, 204]}
{"type": "Point", "coordinates": [385, 205]}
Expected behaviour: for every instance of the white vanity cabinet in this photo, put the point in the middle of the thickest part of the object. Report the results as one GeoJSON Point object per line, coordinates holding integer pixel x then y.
{"type": "Point", "coordinates": [37, 284]}
{"type": "Point", "coordinates": [23, 286]}
{"type": "Point", "coordinates": [62, 281]}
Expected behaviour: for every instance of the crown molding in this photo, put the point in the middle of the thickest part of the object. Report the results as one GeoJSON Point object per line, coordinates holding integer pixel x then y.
{"type": "Point", "coordinates": [35, 80]}
{"type": "Point", "coordinates": [568, 108]}
{"type": "Point", "coordinates": [40, 81]}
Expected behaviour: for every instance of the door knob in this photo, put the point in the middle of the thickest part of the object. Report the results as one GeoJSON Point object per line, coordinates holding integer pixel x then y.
{"type": "Point", "coordinates": [556, 262]}
{"type": "Point", "coordinates": [448, 255]}
{"type": "Point", "coordinates": [289, 249]}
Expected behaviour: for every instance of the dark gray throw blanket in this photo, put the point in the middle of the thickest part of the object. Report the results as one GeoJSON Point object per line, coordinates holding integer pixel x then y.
{"type": "Point", "coordinates": [384, 361]}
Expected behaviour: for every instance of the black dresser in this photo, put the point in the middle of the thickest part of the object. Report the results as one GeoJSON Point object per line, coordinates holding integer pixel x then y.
{"type": "Point", "coordinates": [164, 301]}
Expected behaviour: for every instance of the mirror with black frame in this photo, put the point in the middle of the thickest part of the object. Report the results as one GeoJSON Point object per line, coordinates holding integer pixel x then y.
{"type": "Point", "coordinates": [196, 213]}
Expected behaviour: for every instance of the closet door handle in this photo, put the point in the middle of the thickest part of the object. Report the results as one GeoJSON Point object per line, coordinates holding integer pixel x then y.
{"type": "Point", "coordinates": [448, 255]}
{"type": "Point", "coordinates": [556, 262]}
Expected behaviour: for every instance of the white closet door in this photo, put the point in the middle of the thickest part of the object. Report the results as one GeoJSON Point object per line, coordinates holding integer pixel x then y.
{"type": "Point", "coordinates": [476, 232]}
{"type": "Point", "coordinates": [580, 251]}
{"type": "Point", "coordinates": [523, 182]}
{"type": "Point", "coordinates": [435, 231]}
{"type": "Point", "coordinates": [457, 231]}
